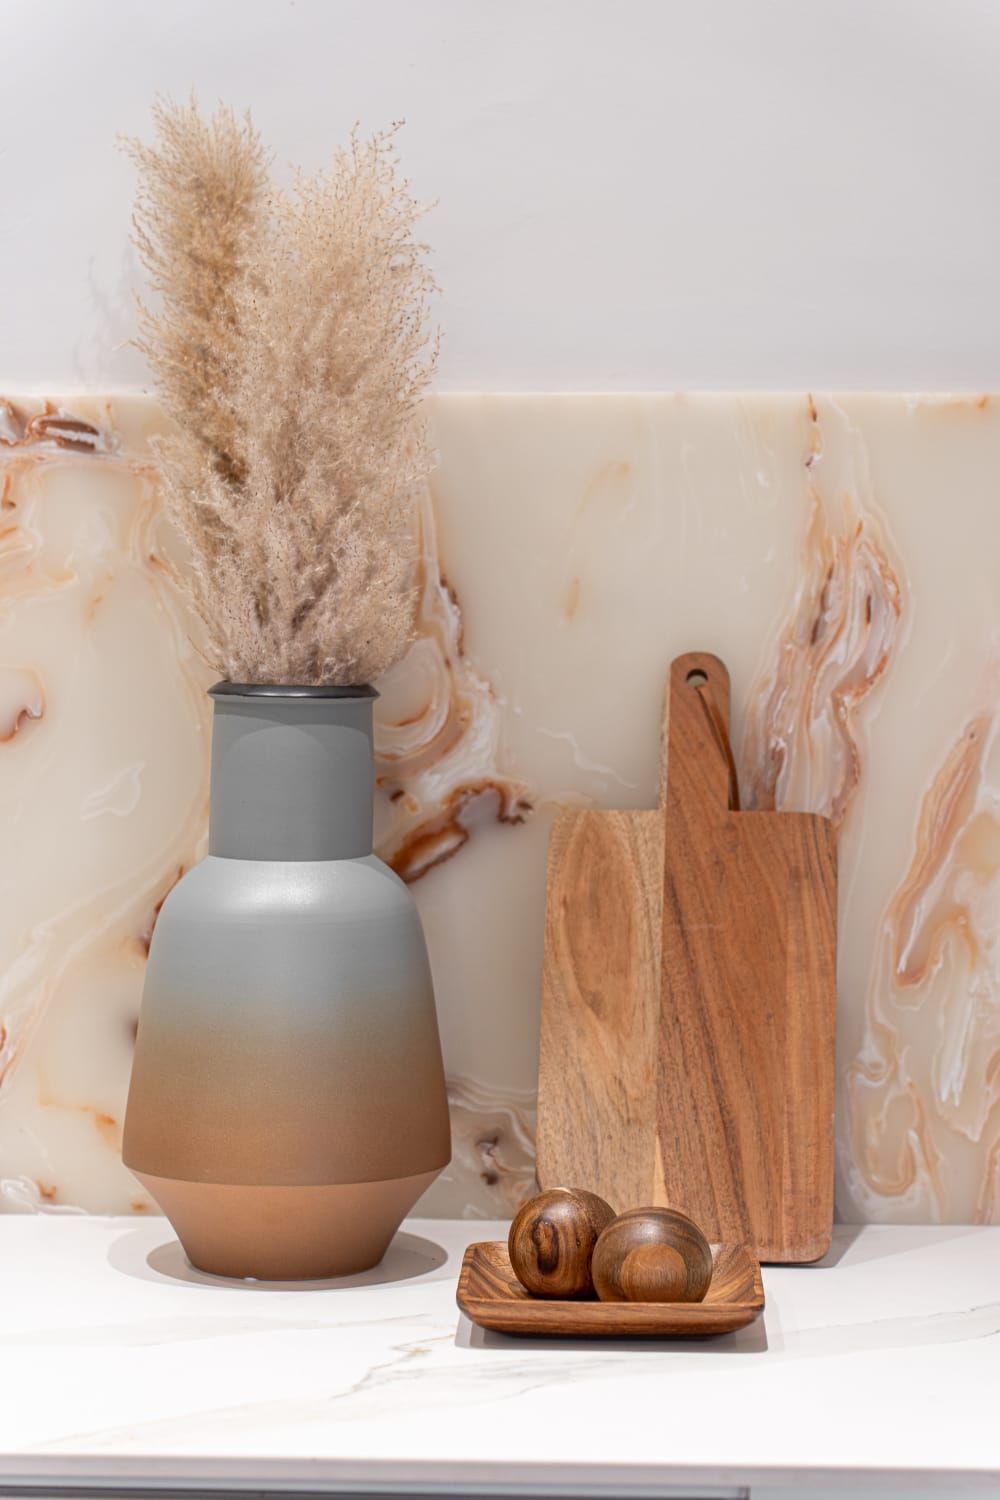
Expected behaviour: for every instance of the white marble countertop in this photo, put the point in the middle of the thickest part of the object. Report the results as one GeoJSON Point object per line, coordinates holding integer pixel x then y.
{"type": "Point", "coordinates": [120, 1365]}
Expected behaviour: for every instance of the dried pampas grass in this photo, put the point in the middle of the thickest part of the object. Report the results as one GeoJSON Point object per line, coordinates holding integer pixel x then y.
{"type": "Point", "coordinates": [291, 347]}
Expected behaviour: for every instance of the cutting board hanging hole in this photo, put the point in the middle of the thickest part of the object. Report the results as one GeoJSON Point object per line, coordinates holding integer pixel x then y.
{"type": "Point", "coordinates": [698, 772]}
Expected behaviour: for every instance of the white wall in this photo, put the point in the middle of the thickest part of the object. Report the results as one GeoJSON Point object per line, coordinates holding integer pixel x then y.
{"type": "Point", "coordinates": [693, 193]}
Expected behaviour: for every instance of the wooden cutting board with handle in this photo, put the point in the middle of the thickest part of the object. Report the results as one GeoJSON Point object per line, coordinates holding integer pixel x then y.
{"type": "Point", "coordinates": [688, 1002]}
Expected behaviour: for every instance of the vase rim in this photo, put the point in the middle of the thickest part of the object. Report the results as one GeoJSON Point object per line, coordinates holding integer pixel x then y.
{"type": "Point", "coordinates": [290, 690]}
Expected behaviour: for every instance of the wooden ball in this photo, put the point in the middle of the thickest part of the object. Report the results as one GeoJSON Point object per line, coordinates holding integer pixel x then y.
{"type": "Point", "coordinates": [652, 1255]}
{"type": "Point", "coordinates": [552, 1239]}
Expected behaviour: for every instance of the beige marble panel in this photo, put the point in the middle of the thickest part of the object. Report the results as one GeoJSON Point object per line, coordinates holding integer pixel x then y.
{"type": "Point", "coordinates": [839, 553]}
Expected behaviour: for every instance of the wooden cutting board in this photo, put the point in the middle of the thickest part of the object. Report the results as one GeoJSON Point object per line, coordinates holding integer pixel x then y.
{"type": "Point", "coordinates": [688, 1002]}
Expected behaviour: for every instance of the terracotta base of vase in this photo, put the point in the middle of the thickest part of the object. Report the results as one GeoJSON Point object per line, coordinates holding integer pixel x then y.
{"type": "Point", "coordinates": [285, 1233]}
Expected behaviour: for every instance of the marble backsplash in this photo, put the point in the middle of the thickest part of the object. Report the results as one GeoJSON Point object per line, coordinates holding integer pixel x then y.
{"type": "Point", "coordinates": [839, 553]}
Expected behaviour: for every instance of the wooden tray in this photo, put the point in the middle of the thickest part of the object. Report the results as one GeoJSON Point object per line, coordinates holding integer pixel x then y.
{"type": "Point", "coordinates": [490, 1294]}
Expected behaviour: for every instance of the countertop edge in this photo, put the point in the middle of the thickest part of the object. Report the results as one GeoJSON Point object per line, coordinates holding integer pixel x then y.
{"type": "Point", "coordinates": [22, 1473]}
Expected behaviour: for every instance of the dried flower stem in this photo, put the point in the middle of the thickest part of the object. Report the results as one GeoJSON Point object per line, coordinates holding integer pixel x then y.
{"type": "Point", "coordinates": [291, 348]}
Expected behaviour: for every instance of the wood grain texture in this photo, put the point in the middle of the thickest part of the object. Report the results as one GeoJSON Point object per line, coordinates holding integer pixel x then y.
{"type": "Point", "coordinates": [694, 1067]}
{"type": "Point", "coordinates": [652, 1255]}
{"type": "Point", "coordinates": [552, 1238]}
{"type": "Point", "coordinates": [600, 1007]}
{"type": "Point", "coordinates": [490, 1294]}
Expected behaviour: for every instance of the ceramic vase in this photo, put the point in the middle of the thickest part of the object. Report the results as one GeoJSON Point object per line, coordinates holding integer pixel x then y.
{"type": "Point", "coordinates": [287, 1104]}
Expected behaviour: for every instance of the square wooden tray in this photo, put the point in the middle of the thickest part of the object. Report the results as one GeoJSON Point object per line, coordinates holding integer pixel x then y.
{"type": "Point", "coordinates": [490, 1294]}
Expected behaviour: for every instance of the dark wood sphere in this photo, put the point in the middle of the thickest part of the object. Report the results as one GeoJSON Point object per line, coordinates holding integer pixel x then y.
{"type": "Point", "coordinates": [652, 1255]}
{"type": "Point", "coordinates": [552, 1240]}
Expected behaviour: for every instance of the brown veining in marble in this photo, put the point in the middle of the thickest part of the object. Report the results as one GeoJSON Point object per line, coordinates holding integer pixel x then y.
{"type": "Point", "coordinates": [437, 735]}
{"type": "Point", "coordinates": [936, 979]}
{"type": "Point", "coordinates": [571, 600]}
{"type": "Point", "coordinates": [920, 1117]}
{"type": "Point", "coordinates": [53, 427]}
{"type": "Point", "coordinates": [923, 1091]}
{"type": "Point", "coordinates": [955, 838]}
{"type": "Point", "coordinates": [438, 837]}
{"type": "Point", "coordinates": [44, 552]}
{"type": "Point", "coordinates": [145, 937]}
{"type": "Point", "coordinates": [22, 697]}
{"type": "Point", "coordinates": [493, 1138]}
{"type": "Point", "coordinates": [106, 1124]}
{"type": "Point", "coordinates": [437, 755]}
{"type": "Point", "coordinates": [10, 1050]}
{"type": "Point", "coordinates": [988, 1202]}
{"type": "Point", "coordinates": [12, 423]}
{"type": "Point", "coordinates": [800, 748]}
{"type": "Point", "coordinates": [24, 1193]}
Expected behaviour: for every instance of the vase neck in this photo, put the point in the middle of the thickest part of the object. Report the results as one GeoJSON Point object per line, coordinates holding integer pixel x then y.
{"type": "Point", "coordinates": [292, 774]}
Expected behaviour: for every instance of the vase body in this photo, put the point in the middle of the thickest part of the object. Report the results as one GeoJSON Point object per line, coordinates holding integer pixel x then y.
{"type": "Point", "coordinates": [287, 1104]}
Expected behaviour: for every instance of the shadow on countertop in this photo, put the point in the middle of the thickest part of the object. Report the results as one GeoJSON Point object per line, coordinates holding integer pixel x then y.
{"type": "Point", "coordinates": [409, 1257]}
{"type": "Point", "coordinates": [749, 1340]}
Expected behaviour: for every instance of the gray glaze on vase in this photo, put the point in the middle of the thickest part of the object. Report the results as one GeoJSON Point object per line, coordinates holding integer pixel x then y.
{"type": "Point", "coordinates": [288, 1101]}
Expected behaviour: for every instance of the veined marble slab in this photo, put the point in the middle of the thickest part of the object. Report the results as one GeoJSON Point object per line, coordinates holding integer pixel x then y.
{"type": "Point", "coordinates": [841, 555]}
{"type": "Point", "coordinates": [872, 1373]}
